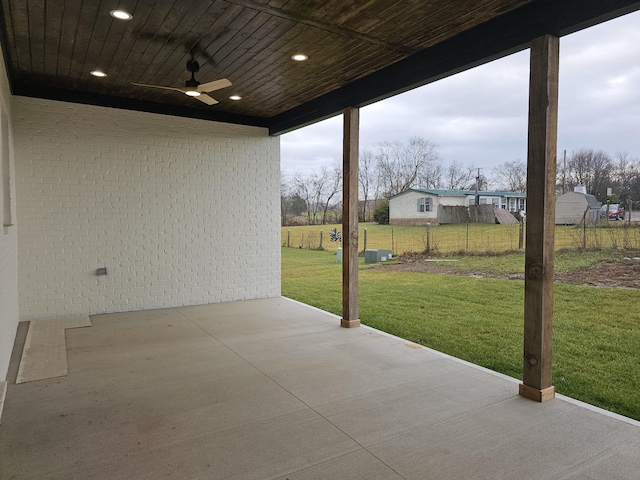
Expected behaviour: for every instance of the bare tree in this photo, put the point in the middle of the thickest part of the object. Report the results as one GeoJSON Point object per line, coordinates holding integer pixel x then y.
{"type": "Point", "coordinates": [285, 189]}
{"type": "Point", "coordinates": [333, 185]}
{"type": "Point", "coordinates": [291, 203]}
{"type": "Point", "coordinates": [511, 176]}
{"type": "Point", "coordinates": [307, 189]}
{"type": "Point", "coordinates": [318, 190]}
{"type": "Point", "coordinates": [591, 168]}
{"type": "Point", "coordinates": [626, 175]}
{"type": "Point", "coordinates": [424, 153]}
{"type": "Point", "coordinates": [393, 176]}
{"type": "Point", "coordinates": [460, 177]}
{"type": "Point", "coordinates": [367, 180]}
{"type": "Point", "coordinates": [400, 168]}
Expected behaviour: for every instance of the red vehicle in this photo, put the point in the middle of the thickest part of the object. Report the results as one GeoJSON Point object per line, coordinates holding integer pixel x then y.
{"type": "Point", "coordinates": [616, 212]}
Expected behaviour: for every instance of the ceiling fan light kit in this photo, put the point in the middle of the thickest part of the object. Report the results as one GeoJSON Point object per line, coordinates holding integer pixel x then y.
{"type": "Point", "coordinates": [120, 14]}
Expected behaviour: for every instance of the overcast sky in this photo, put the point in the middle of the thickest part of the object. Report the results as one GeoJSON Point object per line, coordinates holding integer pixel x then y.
{"type": "Point", "coordinates": [480, 116]}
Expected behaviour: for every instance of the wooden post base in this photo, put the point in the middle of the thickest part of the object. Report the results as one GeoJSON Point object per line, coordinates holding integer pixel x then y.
{"type": "Point", "coordinates": [537, 395]}
{"type": "Point", "coordinates": [349, 323]}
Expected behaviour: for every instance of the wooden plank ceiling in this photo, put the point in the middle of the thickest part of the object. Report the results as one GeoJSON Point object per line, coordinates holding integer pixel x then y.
{"type": "Point", "coordinates": [379, 47]}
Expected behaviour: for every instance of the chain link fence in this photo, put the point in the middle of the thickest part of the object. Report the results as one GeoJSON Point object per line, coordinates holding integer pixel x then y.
{"type": "Point", "coordinates": [464, 238]}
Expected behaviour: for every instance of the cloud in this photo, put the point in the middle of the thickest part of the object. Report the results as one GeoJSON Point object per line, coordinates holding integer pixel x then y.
{"type": "Point", "coordinates": [306, 149]}
{"type": "Point", "coordinates": [599, 104]}
{"type": "Point", "coordinates": [480, 116]}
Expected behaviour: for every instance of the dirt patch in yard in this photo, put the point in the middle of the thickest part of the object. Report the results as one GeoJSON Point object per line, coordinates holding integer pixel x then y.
{"type": "Point", "coordinates": [623, 272]}
{"type": "Point", "coordinates": [416, 262]}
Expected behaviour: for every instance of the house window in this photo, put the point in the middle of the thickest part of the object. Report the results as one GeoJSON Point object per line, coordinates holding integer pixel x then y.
{"type": "Point", "coordinates": [424, 204]}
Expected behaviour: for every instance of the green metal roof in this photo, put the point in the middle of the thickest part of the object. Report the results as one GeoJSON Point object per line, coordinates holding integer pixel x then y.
{"type": "Point", "coordinates": [460, 193]}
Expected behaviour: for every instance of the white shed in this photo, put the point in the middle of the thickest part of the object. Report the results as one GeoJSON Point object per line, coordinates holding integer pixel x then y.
{"type": "Point", "coordinates": [572, 207]}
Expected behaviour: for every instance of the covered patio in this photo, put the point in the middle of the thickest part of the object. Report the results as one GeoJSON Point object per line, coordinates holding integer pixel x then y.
{"type": "Point", "coordinates": [274, 389]}
{"type": "Point", "coordinates": [156, 215]}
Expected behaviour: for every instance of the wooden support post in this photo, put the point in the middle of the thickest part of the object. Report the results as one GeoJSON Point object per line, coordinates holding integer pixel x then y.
{"type": "Point", "coordinates": [350, 312]}
{"type": "Point", "coordinates": [539, 252]}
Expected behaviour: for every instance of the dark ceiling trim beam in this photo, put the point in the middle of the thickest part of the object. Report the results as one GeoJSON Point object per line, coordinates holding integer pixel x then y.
{"type": "Point", "coordinates": [327, 27]}
{"type": "Point", "coordinates": [467, 50]}
{"type": "Point", "coordinates": [4, 43]}
{"type": "Point", "coordinates": [138, 105]}
{"type": "Point", "coordinates": [579, 15]}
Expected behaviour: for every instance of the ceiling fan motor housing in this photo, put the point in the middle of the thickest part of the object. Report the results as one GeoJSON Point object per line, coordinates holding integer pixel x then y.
{"type": "Point", "coordinates": [193, 66]}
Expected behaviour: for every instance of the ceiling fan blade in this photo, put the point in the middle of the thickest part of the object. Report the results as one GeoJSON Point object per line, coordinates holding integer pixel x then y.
{"type": "Point", "coordinates": [157, 86]}
{"type": "Point", "coordinates": [203, 97]}
{"type": "Point", "coordinates": [215, 85]}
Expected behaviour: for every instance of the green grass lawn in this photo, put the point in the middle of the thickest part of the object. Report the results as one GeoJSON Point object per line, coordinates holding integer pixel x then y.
{"type": "Point", "coordinates": [596, 355]}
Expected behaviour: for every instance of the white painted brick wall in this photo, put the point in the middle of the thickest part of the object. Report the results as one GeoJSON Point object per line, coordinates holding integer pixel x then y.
{"type": "Point", "coordinates": [8, 297]}
{"type": "Point", "coordinates": [8, 245]}
{"type": "Point", "coordinates": [180, 211]}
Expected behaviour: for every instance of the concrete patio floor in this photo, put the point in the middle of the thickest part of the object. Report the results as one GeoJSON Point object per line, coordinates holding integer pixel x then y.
{"type": "Point", "coordinates": [273, 389]}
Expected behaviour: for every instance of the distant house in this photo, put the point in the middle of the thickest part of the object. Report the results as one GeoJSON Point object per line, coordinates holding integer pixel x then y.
{"type": "Point", "coordinates": [417, 206]}
{"type": "Point", "coordinates": [573, 207]}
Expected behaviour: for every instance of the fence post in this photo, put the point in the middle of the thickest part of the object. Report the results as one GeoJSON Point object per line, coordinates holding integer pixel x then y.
{"type": "Point", "coordinates": [288, 238]}
{"type": "Point", "coordinates": [365, 239]}
{"type": "Point", "coordinates": [584, 229]}
{"type": "Point", "coordinates": [521, 237]}
{"type": "Point", "coordinates": [392, 251]}
{"type": "Point", "coordinates": [320, 239]}
{"type": "Point", "coordinates": [467, 244]}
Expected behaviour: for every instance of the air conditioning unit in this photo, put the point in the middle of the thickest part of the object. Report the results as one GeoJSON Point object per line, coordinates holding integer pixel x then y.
{"type": "Point", "coordinates": [376, 255]}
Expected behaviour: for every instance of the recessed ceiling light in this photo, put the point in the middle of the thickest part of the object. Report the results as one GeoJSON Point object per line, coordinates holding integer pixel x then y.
{"type": "Point", "coordinates": [121, 15]}
{"type": "Point", "coordinates": [299, 57]}
{"type": "Point", "coordinates": [98, 73]}
{"type": "Point", "coordinates": [193, 93]}
{"type": "Point", "coordinates": [235, 97]}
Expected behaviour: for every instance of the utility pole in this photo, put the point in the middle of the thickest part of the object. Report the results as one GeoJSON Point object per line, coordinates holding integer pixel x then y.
{"type": "Point", "coordinates": [478, 188]}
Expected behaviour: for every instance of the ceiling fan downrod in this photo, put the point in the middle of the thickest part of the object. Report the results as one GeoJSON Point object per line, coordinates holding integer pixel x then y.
{"type": "Point", "coordinates": [192, 84]}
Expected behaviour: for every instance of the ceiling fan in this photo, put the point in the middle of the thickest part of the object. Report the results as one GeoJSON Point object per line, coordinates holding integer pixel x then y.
{"type": "Point", "coordinates": [194, 88]}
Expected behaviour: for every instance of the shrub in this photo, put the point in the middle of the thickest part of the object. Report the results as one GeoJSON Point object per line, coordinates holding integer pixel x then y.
{"type": "Point", "coordinates": [381, 215]}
